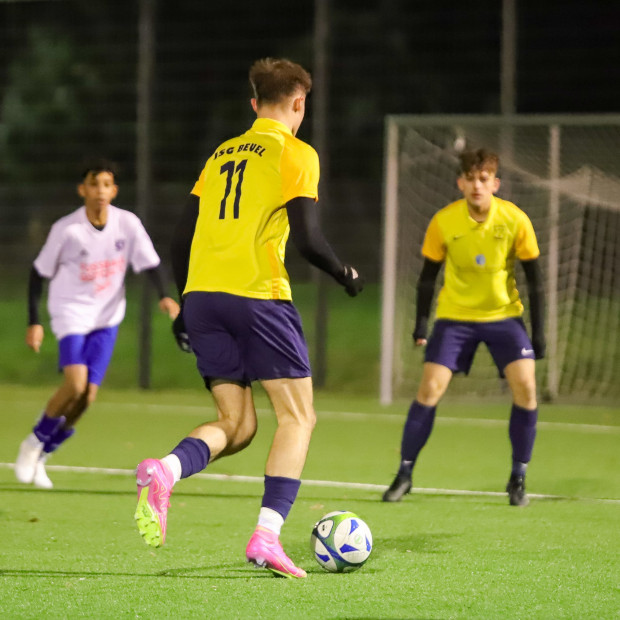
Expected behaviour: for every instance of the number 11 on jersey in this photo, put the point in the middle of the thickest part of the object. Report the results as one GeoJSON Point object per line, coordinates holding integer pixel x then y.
{"type": "Point", "coordinates": [229, 169]}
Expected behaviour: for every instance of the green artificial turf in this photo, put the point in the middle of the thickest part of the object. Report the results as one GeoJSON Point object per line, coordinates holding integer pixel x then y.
{"type": "Point", "coordinates": [74, 552]}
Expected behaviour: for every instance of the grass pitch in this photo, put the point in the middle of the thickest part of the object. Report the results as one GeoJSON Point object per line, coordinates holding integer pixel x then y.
{"type": "Point", "coordinates": [452, 549]}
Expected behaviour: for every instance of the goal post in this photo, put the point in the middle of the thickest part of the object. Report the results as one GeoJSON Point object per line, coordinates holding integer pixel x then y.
{"type": "Point", "coordinates": [563, 171]}
{"type": "Point", "coordinates": [390, 244]}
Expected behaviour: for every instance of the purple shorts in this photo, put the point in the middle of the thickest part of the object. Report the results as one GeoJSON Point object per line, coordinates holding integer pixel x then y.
{"type": "Point", "coordinates": [245, 339]}
{"type": "Point", "coordinates": [454, 343]}
{"type": "Point", "coordinates": [93, 350]}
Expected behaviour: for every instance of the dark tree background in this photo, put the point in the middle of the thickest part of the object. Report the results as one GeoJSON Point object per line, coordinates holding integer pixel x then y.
{"type": "Point", "coordinates": [68, 91]}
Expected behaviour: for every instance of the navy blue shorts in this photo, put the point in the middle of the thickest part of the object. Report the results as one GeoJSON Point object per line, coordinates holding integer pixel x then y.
{"type": "Point", "coordinates": [454, 343]}
{"type": "Point", "coordinates": [245, 339]}
{"type": "Point", "coordinates": [93, 350]}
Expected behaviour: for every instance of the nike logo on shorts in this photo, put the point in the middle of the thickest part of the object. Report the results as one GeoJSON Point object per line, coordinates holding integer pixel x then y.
{"type": "Point", "coordinates": [525, 351]}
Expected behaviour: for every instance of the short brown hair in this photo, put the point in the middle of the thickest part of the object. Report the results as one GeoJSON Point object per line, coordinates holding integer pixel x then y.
{"type": "Point", "coordinates": [274, 79]}
{"type": "Point", "coordinates": [481, 159]}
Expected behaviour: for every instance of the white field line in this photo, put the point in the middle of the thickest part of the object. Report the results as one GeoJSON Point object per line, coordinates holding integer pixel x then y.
{"type": "Point", "coordinates": [158, 409]}
{"type": "Point", "coordinates": [321, 483]}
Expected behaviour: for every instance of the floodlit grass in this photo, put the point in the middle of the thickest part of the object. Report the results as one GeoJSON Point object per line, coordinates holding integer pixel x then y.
{"type": "Point", "coordinates": [75, 552]}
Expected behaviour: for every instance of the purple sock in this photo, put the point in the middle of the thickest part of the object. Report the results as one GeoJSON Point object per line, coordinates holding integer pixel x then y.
{"type": "Point", "coordinates": [417, 430]}
{"type": "Point", "coordinates": [194, 455]}
{"type": "Point", "coordinates": [522, 432]}
{"type": "Point", "coordinates": [45, 428]}
{"type": "Point", "coordinates": [280, 493]}
{"type": "Point", "coordinates": [61, 435]}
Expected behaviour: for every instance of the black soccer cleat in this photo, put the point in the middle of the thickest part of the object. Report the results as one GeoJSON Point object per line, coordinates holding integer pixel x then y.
{"type": "Point", "coordinates": [516, 491]}
{"type": "Point", "coordinates": [401, 486]}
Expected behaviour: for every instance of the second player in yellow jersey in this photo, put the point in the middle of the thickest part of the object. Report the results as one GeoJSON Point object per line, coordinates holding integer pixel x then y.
{"type": "Point", "coordinates": [478, 239]}
{"type": "Point", "coordinates": [479, 278]}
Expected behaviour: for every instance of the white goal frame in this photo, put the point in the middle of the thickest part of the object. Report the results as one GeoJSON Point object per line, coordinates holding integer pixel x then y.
{"type": "Point", "coordinates": [555, 123]}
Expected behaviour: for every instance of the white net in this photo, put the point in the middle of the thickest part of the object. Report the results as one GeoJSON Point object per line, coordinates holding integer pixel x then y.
{"type": "Point", "coordinates": [564, 172]}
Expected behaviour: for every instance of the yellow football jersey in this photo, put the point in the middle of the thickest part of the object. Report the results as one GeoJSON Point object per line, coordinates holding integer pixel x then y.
{"type": "Point", "coordinates": [479, 279]}
{"type": "Point", "coordinates": [242, 228]}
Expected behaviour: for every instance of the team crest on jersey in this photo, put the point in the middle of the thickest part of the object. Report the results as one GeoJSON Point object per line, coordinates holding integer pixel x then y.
{"type": "Point", "coordinates": [480, 260]}
{"type": "Point", "coordinates": [499, 231]}
{"type": "Point", "coordinates": [119, 244]}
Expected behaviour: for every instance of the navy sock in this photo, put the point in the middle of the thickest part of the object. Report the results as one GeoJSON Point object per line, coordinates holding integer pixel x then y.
{"type": "Point", "coordinates": [194, 455]}
{"type": "Point", "coordinates": [61, 435]}
{"type": "Point", "coordinates": [280, 494]}
{"type": "Point", "coordinates": [417, 430]}
{"type": "Point", "coordinates": [522, 432]}
{"type": "Point", "coordinates": [45, 428]}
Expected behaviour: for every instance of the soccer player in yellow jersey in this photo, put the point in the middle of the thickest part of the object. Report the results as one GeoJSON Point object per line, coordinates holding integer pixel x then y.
{"type": "Point", "coordinates": [237, 315]}
{"type": "Point", "coordinates": [478, 239]}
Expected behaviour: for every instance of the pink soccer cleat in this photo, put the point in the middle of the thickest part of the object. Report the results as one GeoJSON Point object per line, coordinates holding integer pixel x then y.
{"type": "Point", "coordinates": [155, 482]}
{"type": "Point", "coordinates": [265, 550]}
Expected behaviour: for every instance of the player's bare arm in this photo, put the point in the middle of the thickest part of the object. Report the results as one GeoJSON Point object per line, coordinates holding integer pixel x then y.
{"type": "Point", "coordinates": [34, 337]}
{"type": "Point", "coordinates": [170, 307]}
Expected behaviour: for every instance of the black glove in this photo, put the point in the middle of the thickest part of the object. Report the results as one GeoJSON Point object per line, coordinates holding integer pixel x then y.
{"type": "Point", "coordinates": [351, 280]}
{"type": "Point", "coordinates": [180, 333]}
{"type": "Point", "coordinates": [539, 345]}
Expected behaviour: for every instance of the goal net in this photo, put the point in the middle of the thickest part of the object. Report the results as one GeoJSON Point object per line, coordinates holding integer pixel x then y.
{"type": "Point", "coordinates": [564, 172]}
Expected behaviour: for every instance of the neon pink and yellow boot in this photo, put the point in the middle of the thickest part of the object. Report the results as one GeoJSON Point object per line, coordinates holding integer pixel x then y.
{"type": "Point", "coordinates": [265, 550]}
{"type": "Point", "coordinates": [155, 482]}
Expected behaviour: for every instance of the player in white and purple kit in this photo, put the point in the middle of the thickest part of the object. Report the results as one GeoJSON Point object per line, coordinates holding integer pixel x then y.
{"type": "Point", "coordinates": [85, 258]}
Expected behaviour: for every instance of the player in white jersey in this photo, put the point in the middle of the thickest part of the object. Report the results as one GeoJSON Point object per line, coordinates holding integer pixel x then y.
{"type": "Point", "coordinates": [85, 258]}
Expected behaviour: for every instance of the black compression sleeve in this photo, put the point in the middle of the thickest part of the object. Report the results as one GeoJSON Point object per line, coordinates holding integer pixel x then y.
{"type": "Point", "coordinates": [426, 289]}
{"type": "Point", "coordinates": [182, 242]}
{"type": "Point", "coordinates": [535, 288]}
{"type": "Point", "coordinates": [156, 276]}
{"type": "Point", "coordinates": [35, 289]}
{"type": "Point", "coordinates": [308, 238]}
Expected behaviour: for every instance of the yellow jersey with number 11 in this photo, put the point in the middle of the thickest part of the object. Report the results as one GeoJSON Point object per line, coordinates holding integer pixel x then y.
{"type": "Point", "coordinates": [242, 228]}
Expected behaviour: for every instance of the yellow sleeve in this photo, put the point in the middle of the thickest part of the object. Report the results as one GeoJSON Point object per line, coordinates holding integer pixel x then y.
{"type": "Point", "coordinates": [196, 190]}
{"type": "Point", "coordinates": [300, 171]}
{"type": "Point", "coordinates": [434, 246]}
{"type": "Point", "coordinates": [526, 245]}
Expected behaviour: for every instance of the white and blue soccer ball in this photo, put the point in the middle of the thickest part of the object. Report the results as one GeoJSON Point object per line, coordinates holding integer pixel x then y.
{"type": "Point", "coordinates": [341, 542]}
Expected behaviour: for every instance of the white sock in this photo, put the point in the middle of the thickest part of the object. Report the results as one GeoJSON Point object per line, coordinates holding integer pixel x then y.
{"type": "Point", "coordinates": [172, 460]}
{"type": "Point", "coordinates": [270, 519]}
{"type": "Point", "coordinates": [33, 441]}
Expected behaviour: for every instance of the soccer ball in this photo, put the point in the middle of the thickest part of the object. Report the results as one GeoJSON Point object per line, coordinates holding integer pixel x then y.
{"type": "Point", "coordinates": [341, 542]}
